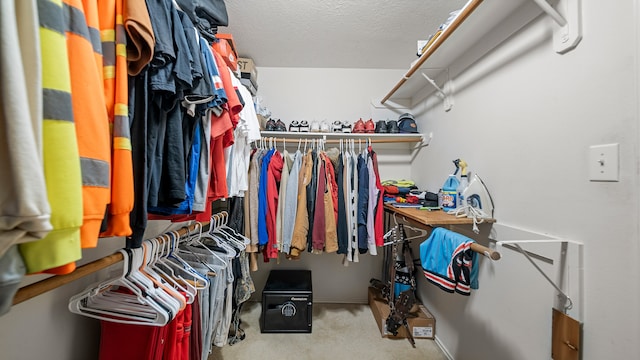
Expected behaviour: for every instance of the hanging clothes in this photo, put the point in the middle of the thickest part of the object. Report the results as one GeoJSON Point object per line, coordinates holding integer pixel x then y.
{"type": "Point", "coordinates": [282, 198]}
{"type": "Point", "coordinates": [448, 261]}
{"type": "Point", "coordinates": [60, 149]}
{"type": "Point", "coordinates": [301, 226]}
{"type": "Point", "coordinates": [291, 203]}
{"type": "Point", "coordinates": [116, 97]}
{"type": "Point", "coordinates": [274, 175]}
{"type": "Point", "coordinates": [363, 203]}
{"type": "Point", "coordinates": [25, 211]}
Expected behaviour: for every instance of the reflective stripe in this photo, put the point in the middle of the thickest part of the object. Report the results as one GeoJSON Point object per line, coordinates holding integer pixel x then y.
{"type": "Point", "coordinates": [94, 172]}
{"type": "Point", "coordinates": [108, 54]}
{"type": "Point", "coordinates": [121, 127]}
{"type": "Point", "coordinates": [56, 105]}
{"type": "Point", "coordinates": [95, 40]}
{"type": "Point", "coordinates": [121, 34]}
{"type": "Point", "coordinates": [122, 110]}
{"type": "Point", "coordinates": [76, 22]}
{"type": "Point", "coordinates": [108, 35]}
{"type": "Point", "coordinates": [122, 143]}
{"type": "Point", "coordinates": [109, 72]}
{"type": "Point", "coordinates": [121, 50]}
{"type": "Point", "coordinates": [50, 16]}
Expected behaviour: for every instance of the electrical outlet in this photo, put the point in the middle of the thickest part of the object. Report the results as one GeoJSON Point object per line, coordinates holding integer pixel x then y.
{"type": "Point", "coordinates": [604, 162]}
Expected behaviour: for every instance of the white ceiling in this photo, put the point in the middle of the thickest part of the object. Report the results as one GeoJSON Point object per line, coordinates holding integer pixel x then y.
{"type": "Point", "coordinates": [376, 34]}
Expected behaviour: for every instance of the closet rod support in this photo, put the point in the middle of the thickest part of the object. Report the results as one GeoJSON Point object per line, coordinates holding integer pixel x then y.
{"type": "Point", "coordinates": [432, 82]}
{"type": "Point", "coordinates": [553, 13]}
{"type": "Point", "coordinates": [444, 94]}
{"type": "Point", "coordinates": [516, 244]}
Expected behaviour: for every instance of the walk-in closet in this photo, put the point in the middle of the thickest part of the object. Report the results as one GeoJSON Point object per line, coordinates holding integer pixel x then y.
{"type": "Point", "coordinates": [217, 179]}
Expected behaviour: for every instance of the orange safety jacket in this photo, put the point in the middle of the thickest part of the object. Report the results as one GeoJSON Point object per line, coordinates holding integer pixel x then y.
{"type": "Point", "coordinates": [89, 111]}
{"type": "Point", "coordinates": [116, 95]}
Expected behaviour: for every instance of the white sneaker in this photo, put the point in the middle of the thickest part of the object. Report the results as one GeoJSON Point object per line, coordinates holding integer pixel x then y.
{"type": "Point", "coordinates": [315, 127]}
{"type": "Point", "coordinates": [324, 127]}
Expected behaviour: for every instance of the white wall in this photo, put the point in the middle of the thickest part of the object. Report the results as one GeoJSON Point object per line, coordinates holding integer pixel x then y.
{"type": "Point", "coordinates": [523, 119]}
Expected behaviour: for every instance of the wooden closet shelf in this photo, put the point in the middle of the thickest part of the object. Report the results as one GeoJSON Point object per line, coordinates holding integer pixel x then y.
{"type": "Point", "coordinates": [431, 218]}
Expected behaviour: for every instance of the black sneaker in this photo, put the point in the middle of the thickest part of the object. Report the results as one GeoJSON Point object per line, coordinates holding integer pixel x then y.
{"type": "Point", "coordinates": [280, 126]}
{"type": "Point", "coordinates": [271, 125]}
{"type": "Point", "coordinates": [294, 126]}
{"type": "Point", "coordinates": [381, 126]}
{"type": "Point", "coordinates": [392, 127]}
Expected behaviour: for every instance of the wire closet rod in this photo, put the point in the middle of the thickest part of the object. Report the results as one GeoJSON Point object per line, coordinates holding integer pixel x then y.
{"type": "Point", "coordinates": [38, 288]}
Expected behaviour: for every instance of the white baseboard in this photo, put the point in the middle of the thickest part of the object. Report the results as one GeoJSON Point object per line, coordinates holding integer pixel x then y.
{"type": "Point", "coordinates": [443, 348]}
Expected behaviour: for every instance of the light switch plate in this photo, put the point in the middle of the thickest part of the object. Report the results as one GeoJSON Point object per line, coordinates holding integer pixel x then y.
{"type": "Point", "coordinates": [604, 162]}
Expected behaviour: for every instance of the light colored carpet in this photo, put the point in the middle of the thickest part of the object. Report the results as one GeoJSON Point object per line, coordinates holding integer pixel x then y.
{"type": "Point", "coordinates": [339, 331]}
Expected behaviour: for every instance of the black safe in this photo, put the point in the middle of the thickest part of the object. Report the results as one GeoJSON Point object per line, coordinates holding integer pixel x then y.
{"type": "Point", "coordinates": [287, 302]}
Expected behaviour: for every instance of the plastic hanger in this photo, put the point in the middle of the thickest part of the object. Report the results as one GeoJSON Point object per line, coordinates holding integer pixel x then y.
{"type": "Point", "coordinates": [184, 288]}
{"type": "Point", "coordinates": [240, 240]}
{"type": "Point", "coordinates": [173, 259]}
{"type": "Point", "coordinates": [148, 270]}
{"type": "Point", "coordinates": [153, 287]}
{"type": "Point", "coordinates": [135, 306]}
{"type": "Point", "coordinates": [195, 240]}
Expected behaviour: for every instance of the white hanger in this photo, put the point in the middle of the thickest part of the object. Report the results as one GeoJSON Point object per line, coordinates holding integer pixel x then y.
{"type": "Point", "coordinates": [179, 264]}
{"type": "Point", "coordinates": [161, 293]}
{"type": "Point", "coordinates": [239, 239]}
{"type": "Point", "coordinates": [196, 240]}
{"type": "Point", "coordinates": [143, 310]}
{"type": "Point", "coordinates": [188, 291]}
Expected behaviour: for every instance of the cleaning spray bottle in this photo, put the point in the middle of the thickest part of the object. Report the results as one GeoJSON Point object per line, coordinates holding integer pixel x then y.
{"type": "Point", "coordinates": [464, 183]}
{"type": "Point", "coordinates": [450, 191]}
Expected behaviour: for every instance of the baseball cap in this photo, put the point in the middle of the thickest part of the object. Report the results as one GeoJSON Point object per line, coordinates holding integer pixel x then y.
{"type": "Point", "coordinates": [407, 123]}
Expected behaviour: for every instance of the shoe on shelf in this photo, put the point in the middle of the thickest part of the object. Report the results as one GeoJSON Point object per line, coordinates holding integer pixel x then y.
{"type": "Point", "coordinates": [358, 127]}
{"type": "Point", "coordinates": [381, 127]}
{"type": "Point", "coordinates": [280, 126]}
{"type": "Point", "coordinates": [369, 126]}
{"type": "Point", "coordinates": [324, 127]}
{"type": "Point", "coordinates": [271, 125]}
{"type": "Point", "coordinates": [336, 126]}
{"type": "Point", "coordinates": [392, 127]}
{"type": "Point", "coordinates": [346, 127]}
{"type": "Point", "coordinates": [304, 126]}
{"type": "Point", "coordinates": [315, 127]}
{"type": "Point", "coordinates": [294, 126]}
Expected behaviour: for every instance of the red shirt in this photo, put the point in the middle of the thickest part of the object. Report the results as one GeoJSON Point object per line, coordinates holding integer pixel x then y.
{"type": "Point", "coordinates": [274, 174]}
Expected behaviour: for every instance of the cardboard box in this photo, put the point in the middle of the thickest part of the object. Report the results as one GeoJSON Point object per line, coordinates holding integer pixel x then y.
{"type": "Point", "coordinates": [248, 70]}
{"type": "Point", "coordinates": [422, 326]}
{"type": "Point", "coordinates": [226, 47]}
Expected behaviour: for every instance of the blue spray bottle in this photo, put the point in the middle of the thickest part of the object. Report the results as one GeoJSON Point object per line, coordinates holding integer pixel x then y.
{"type": "Point", "coordinates": [450, 191]}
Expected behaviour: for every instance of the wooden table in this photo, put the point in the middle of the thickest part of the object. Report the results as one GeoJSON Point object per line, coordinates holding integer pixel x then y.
{"type": "Point", "coordinates": [436, 218]}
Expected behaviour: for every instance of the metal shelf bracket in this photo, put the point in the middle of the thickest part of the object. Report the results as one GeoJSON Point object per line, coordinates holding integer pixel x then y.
{"type": "Point", "coordinates": [445, 94]}
{"type": "Point", "coordinates": [568, 33]}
